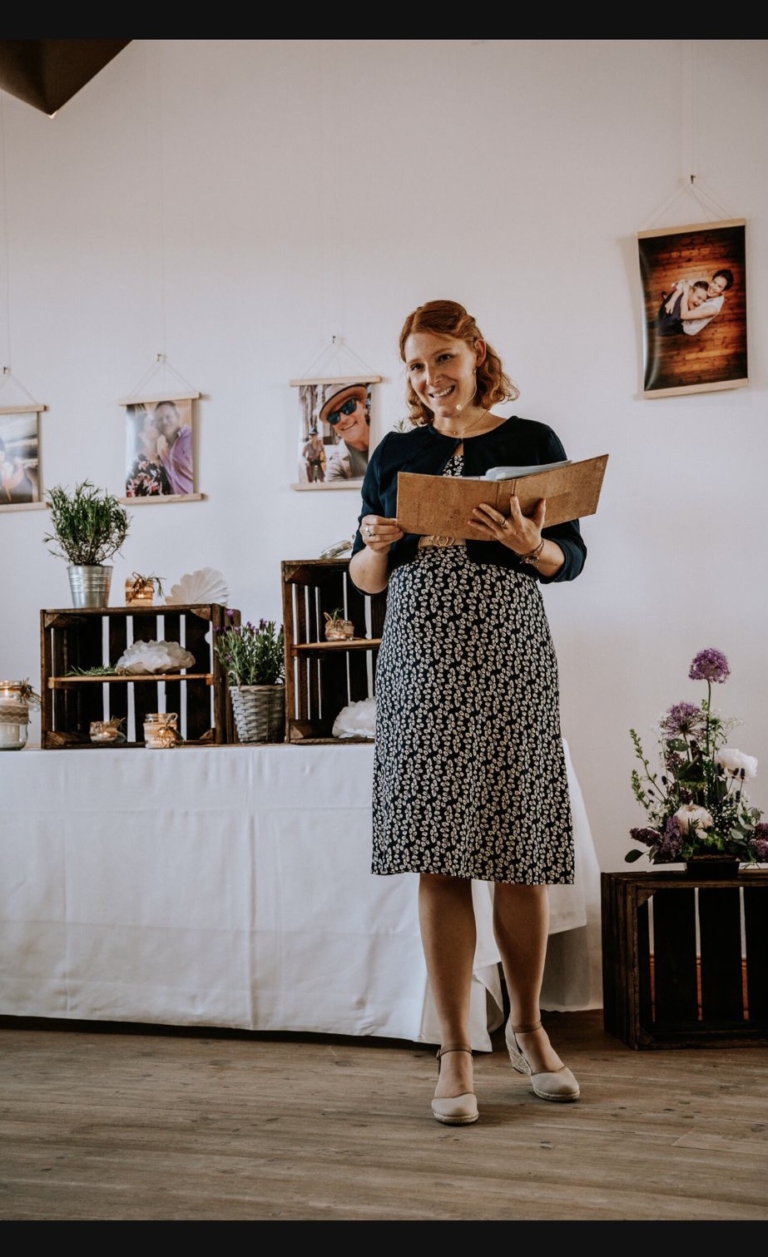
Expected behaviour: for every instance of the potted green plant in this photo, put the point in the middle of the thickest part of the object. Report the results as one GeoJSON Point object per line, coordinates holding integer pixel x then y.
{"type": "Point", "coordinates": [88, 527]}
{"type": "Point", "coordinates": [253, 658]}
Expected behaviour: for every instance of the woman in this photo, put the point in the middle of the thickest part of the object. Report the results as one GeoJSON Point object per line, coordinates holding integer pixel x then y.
{"type": "Point", "coordinates": [469, 769]}
{"type": "Point", "coordinates": [15, 483]}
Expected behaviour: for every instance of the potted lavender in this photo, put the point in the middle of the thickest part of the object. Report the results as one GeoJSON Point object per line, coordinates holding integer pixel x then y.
{"type": "Point", "coordinates": [253, 659]}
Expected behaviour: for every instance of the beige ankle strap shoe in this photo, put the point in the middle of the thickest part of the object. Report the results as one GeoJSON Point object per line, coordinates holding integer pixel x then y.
{"type": "Point", "coordinates": [558, 1084]}
{"type": "Point", "coordinates": [458, 1110]}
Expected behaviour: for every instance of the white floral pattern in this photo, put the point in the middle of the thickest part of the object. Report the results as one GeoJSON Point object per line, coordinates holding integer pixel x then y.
{"type": "Point", "coordinates": [469, 768]}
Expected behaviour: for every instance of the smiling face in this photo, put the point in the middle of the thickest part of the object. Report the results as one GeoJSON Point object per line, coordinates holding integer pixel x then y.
{"type": "Point", "coordinates": [354, 429]}
{"type": "Point", "coordinates": [441, 372]}
{"type": "Point", "coordinates": [717, 286]}
{"type": "Point", "coordinates": [167, 419]}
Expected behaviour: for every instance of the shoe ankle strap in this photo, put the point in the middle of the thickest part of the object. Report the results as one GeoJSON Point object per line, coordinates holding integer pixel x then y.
{"type": "Point", "coordinates": [526, 1029]}
{"type": "Point", "coordinates": [454, 1047]}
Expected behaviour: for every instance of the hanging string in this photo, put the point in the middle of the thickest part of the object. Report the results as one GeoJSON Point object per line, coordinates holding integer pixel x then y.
{"type": "Point", "coordinates": [690, 185]}
{"type": "Point", "coordinates": [332, 354]}
{"type": "Point", "coordinates": [6, 249]}
{"type": "Point", "coordinates": [9, 378]}
{"type": "Point", "coordinates": [712, 209]}
{"type": "Point", "coordinates": [161, 365]}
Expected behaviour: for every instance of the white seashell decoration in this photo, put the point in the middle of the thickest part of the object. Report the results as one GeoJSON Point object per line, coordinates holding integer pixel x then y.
{"type": "Point", "coordinates": [205, 585]}
{"type": "Point", "coordinates": [144, 657]}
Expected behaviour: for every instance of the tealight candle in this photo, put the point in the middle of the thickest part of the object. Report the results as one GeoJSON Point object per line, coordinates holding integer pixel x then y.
{"type": "Point", "coordinates": [160, 729]}
{"type": "Point", "coordinates": [14, 716]}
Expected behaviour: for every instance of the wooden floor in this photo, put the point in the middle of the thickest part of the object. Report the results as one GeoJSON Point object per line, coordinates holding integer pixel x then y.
{"type": "Point", "coordinates": [99, 1122]}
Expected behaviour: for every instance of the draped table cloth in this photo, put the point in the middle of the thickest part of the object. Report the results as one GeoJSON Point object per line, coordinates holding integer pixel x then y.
{"type": "Point", "coordinates": [230, 886]}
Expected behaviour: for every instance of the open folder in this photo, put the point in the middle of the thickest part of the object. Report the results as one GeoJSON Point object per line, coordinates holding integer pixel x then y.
{"type": "Point", "coordinates": [442, 505]}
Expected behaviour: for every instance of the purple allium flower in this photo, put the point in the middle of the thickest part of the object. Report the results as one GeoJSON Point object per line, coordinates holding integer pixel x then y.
{"type": "Point", "coordinates": [648, 837]}
{"type": "Point", "coordinates": [683, 718]}
{"type": "Point", "coordinates": [710, 665]}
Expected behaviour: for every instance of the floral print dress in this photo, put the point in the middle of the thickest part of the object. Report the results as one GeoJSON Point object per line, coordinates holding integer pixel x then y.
{"type": "Point", "coordinates": [469, 768]}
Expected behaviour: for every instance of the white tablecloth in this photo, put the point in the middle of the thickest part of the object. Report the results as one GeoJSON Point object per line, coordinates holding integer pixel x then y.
{"type": "Point", "coordinates": [231, 886]}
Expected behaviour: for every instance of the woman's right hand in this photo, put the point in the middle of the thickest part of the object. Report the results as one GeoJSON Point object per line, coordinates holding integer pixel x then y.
{"type": "Point", "coordinates": [378, 532]}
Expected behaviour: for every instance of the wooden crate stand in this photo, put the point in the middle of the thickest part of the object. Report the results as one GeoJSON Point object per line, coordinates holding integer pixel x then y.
{"type": "Point", "coordinates": [88, 638]}
{"type": "Point", "coordinates": [662, 989]}
{"type": "Point", "coordinates": [321, 677]}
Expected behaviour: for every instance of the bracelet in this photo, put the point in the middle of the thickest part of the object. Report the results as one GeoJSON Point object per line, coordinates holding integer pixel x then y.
{"type": "Point", "coordinates": [533, 557]}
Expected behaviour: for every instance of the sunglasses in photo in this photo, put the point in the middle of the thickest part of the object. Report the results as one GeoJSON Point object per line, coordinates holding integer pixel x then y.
{"type": "Point", "coordinates": [346, 409]}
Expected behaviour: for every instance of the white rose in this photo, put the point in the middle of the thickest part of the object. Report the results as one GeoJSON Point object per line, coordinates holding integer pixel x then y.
{"type": "Point", "coordinates": [734, 761]}
{"type": "Point", "coordinates": [698, 818]}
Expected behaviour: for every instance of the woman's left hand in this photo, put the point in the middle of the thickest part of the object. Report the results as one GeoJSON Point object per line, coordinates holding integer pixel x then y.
{"type": "Point", "coordinates": [519, 533]}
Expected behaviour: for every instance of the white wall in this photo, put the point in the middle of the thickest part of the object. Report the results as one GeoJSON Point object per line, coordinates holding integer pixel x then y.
{"type": "Point", "coordinates": [237, 203]}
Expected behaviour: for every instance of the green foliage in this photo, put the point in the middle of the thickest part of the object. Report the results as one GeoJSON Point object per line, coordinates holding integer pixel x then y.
{"type": "Point", "coordinates": [88, 526]}
{"type": "Point", "coordinates": [250, 654]}
{"type": "Point", "coordinates": [99, 670]}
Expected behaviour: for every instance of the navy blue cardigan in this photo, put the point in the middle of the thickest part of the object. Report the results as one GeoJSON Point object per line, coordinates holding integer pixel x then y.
{"type": "Point", "coordinates": [516, 442]}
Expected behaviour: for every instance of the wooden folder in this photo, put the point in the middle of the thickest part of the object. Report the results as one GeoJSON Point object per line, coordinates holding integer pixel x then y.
{"type": "Point", "coordinates": [442, 505]}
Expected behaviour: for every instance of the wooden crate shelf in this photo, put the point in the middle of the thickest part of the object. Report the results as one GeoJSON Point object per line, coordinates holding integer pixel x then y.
{"type": "Point", "coordinates": [322, 677]}
{"type": "Point", "coordinates": [685, 960]}
{"type": "Point", "coordinates": [91, 638]}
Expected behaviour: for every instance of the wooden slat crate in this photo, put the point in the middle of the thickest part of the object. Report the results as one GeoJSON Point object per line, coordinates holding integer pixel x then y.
{"type": "Point", "coordinates": [92, 638]}
{"type": "Point", "coordinates": [685, 960]}
{"type": "Point", "coordinates": [321, 677]}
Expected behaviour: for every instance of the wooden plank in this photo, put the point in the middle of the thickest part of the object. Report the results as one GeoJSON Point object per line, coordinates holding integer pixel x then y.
{"type": "Point", "coordinates": [674, 950]}
{"type": "Point", "coordinates": [720, 948]}
{"type": "Point", "coordinates": [756, 937]}
{"type": "Point", "coordinates": [347, 645]}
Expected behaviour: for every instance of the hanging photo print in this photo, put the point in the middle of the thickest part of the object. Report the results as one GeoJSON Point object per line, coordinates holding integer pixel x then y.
{"type": "Point", "coordinates": [160, 450]}
{"type": "Point", "coordinates": [335, 435]}
{"type": "Point", "coordinates": [694, 308]}
{"type": "Point", "coordinates": [20, 458]}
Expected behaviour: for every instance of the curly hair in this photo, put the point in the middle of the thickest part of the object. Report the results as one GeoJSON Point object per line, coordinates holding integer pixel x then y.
{"type": "Point", "coordinates": [448, 318]}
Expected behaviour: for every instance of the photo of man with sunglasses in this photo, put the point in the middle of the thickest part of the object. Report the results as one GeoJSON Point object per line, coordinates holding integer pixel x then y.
{"type": "Point", "coordinates": [347, 412]}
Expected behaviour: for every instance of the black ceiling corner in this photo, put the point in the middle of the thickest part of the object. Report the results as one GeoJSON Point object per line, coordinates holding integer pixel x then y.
{"type": "Point", "coordinates": [46, 73]}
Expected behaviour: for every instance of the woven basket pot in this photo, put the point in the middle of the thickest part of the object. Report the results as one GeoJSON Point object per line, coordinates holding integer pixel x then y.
{"type": "Point", "coordinates": [259, 712]}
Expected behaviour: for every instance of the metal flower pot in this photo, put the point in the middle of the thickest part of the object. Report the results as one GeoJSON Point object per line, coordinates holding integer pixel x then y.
{"type": "Point", "coordinates": [89, 584]}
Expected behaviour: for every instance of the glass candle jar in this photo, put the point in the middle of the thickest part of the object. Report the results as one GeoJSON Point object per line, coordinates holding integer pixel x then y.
{"type": "Point", "coordinates": [14, 716]}
{"type": "Point", "coordinates": [161, 729]}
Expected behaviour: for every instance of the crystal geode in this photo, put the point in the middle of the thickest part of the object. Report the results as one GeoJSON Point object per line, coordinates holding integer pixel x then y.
{"type": "Point", "coordinates": [143, 657]}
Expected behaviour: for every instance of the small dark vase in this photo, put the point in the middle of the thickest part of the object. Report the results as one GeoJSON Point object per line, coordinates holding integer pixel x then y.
{"type": "Point", "coordinates": [714, 867]}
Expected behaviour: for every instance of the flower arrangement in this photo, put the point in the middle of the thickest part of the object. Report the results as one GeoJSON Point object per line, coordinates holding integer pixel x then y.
{"type": "Point", "coordinates": [251, 654]}
{"type": "Point", "coordinates": [696, 803]}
